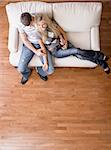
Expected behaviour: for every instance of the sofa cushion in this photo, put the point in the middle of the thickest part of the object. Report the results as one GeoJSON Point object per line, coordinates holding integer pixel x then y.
{"type": "Point", "coordinates": [14, 10]}
{"type": "Point", "coordinates": [79, 16]}
{"type": "Point", "coordinates": [80, 39]}
{"type": "Point", "coordinates": [70, 61]}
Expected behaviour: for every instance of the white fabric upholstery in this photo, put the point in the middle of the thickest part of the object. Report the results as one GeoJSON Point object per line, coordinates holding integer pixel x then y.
{"type": "Point", "coordinates": [95, 38]}
{"type": "Point", "coordinates": [14, 10]}
{"type": "Point", "coordinates": [79, 19]}
{"type": "Point", "coordinates": [80, 39]}
{"type": "Point", "coordinates": [13, 41]}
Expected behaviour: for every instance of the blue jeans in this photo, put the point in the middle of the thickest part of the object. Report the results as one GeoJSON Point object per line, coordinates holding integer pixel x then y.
{"type": "Point", "coordinates": [26, 57]}
{"type": "Point", "coordinates": [93, 56]}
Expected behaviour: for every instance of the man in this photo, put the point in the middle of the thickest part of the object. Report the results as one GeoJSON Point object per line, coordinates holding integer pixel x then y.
{"type": "Point", "coordinates": [30, 36]}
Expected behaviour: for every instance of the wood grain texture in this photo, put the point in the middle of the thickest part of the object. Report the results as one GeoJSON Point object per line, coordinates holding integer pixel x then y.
{"type": "Point", "coordinates": [72, 111]}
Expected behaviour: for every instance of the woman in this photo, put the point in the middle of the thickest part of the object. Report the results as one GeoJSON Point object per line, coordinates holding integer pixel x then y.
{"type": "Point", "coordinates": [55, 39]}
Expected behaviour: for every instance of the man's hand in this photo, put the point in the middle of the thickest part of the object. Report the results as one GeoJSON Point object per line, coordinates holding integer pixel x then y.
{"type": "Point", "coordinates": [39, 52]}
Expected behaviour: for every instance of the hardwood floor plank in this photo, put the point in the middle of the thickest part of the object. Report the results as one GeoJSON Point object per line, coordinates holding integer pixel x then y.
{"type": "Point", "coordinates": [72, 111]}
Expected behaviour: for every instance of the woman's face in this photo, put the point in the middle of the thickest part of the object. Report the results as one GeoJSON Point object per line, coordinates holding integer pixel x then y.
{"type": "Point", "coordinates": [42, 25]}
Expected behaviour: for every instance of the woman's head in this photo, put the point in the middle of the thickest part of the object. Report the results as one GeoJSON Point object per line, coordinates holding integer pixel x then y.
{"type": "Point", "coordinates": [43, 22]}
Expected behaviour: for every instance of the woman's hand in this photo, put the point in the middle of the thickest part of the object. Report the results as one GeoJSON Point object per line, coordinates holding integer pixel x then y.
{"type": "Point", "coordinates": [63, 42]}
{"type": "Point", "coordinates": [45, 67]}
{"type": "Point", "coordinates": [43, 51]}
{"type": "Point", "coordinates": [65, 45]}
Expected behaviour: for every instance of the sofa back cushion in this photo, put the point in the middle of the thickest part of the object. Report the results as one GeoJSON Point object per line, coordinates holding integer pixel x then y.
{"type": "Point", "coordinates": [14, 10]}
{"type": "Point", "coordinates": [77, 16]}
{"type": "Point", "coordinates": [80, 39]}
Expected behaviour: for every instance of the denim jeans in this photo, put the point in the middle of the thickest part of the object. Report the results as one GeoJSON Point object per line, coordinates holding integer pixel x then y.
{"type": "Point", "coordinates": [93, 56]}
{"type": "Point", "coordinates": [26, 57]}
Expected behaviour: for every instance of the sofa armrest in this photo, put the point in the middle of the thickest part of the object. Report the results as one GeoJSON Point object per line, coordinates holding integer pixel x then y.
{"type": "Point", "coordinates": [95, 42]}
{"type": "Point", "coordinates": [13, 40]}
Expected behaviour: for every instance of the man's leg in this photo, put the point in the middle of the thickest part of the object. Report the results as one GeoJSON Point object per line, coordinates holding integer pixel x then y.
{"type": "Point", "coordinates": [23, 68]}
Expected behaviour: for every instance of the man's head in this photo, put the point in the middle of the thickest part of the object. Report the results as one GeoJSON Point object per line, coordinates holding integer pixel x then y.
{"type": "Point", "coordinates": [26, 18]}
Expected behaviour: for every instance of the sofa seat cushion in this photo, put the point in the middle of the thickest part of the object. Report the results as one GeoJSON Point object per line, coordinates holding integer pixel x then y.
{"type": "Point", "coordinates": [81, 40]}
{"type": "Point", "coordinates": [70, 61]}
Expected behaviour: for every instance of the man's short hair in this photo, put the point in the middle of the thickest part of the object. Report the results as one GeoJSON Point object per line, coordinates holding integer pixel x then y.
{"type": "Point", "coordinates": [26, 18]}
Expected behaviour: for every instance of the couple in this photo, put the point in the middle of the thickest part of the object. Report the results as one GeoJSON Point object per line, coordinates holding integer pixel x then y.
{"type": "Point", "coordinates": [45, 38]}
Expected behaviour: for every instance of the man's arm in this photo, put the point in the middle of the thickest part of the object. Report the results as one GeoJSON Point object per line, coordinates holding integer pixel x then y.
{"type": "Point", "coordinates": [30, 46]}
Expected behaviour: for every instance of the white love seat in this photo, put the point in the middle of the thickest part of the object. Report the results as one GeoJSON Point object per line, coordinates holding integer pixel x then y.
{"type": "Point", "coordinates": [80, 20]}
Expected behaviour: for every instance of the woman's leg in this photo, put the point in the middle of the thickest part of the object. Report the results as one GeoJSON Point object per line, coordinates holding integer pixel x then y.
{"type": "Point", "coordinates": [100, 62]}
{"type": "Point", "coordinates": [93, 56]}
{"type": "Point", "coordinates": [71, 50]}
{"type": "Point", "coordinates": [60, 53]}
{"type": "Point", "coordinates": [50, 64]}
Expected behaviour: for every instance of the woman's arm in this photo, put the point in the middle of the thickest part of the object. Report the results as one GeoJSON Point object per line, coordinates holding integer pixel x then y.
{"type": "Point", "coordinates": [63, 33]}
{"type": "Point", "coordinates": [63, 37]}
{"type": "Point", "coordinates": [45, 65]}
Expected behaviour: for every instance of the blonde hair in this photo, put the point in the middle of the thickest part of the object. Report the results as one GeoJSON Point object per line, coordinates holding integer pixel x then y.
{"type": "Point", "coordinates": [51, 26]}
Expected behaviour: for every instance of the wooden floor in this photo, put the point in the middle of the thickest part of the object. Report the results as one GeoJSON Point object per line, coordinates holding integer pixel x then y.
{"type": "Point", "coordinates": [72, 111]}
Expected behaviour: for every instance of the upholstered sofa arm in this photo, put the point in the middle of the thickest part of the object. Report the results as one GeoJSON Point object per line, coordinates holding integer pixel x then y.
{"type": "Point", "coordinates": [13, 39]}
{"type": "Point", "coordinates": [95, 42]}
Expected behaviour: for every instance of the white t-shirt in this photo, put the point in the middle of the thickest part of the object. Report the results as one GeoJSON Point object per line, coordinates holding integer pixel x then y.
{"type": "Point", "coordinates": [32, 34]}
